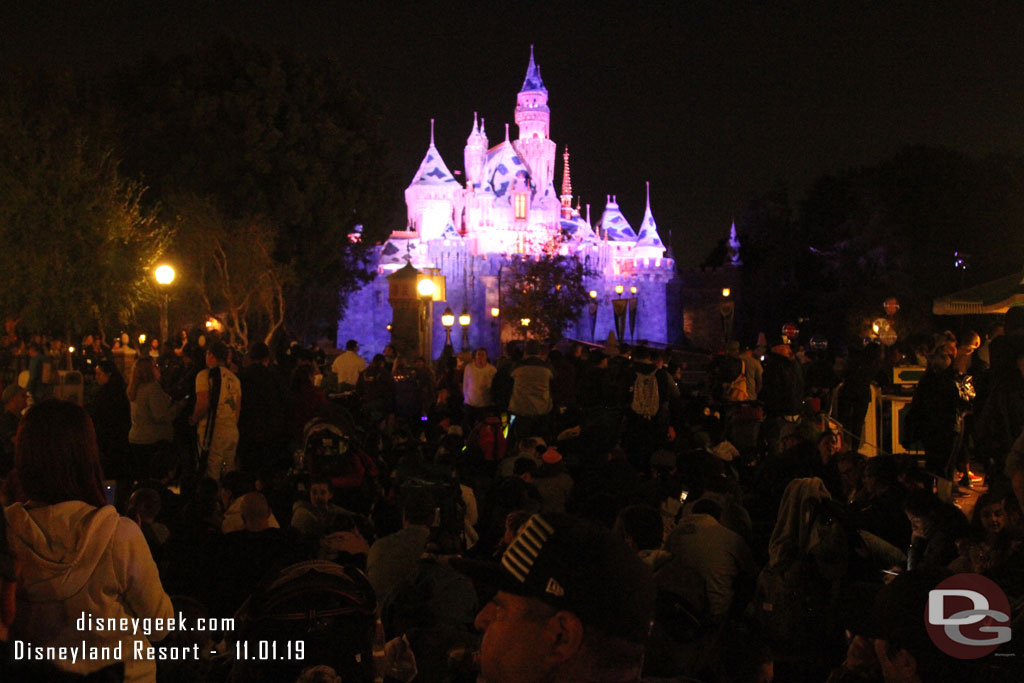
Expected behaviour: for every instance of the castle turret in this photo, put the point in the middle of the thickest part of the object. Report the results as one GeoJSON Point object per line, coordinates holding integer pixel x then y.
{"type": "Point", "coordinates": [648, 242]}
{"type": "Point", "coordinates": [533, 117]}
{"type": "Point", "coordinates": [475, 156]}
{"type": "Point", "coordinates": [734, 247]}
{"type": "Point", "coordinates": [434, 197]}
{"type": "Point", "coordinates": [532, 114]}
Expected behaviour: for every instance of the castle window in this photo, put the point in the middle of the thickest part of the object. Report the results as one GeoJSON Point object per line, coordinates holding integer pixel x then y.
{"type": "Point", "coordinates": [520, 202]}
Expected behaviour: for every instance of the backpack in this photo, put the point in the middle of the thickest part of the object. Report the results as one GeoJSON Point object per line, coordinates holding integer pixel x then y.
{"type": "Point", "coordinates": [738, 387]}
{"type": "Point", "coordinates": [646, 402]}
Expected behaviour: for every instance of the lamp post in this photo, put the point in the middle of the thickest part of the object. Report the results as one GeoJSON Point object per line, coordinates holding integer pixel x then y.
{"type": "Point", "coordinates": [525, 322]}
{"type": "Point", "coordinates": [496, 323]}
{"type": "Point", "coordinates": [464, 321]}
{"type": "Point", "coordinates": [425, 290]}
{"type": "Point", "coordinates": [592, 308]}
{"type": "Point", "coordinates": [164, 276]}
{"type": "Point", "coordinates": [727, 309]}
{"type": "Point", "coordinates": [447, 319]}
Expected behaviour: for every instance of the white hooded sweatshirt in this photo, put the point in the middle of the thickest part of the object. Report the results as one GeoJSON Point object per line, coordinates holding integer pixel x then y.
{"type": "Point", "coordinates": [78, 559]}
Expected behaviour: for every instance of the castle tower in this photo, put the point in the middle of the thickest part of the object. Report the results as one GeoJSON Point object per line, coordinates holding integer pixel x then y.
{"type": "Point", "coordinates": [475, 155]}
{"type": "Point", "coordinates": [734, 247]}
{"type": "Point", "coordinates": [648, 242]}
{"type": "Point", "coordinates": [566, 196]}
{"type": "Point", "coordinates": [434, 197]}
{"type": "Point", "coordinates": [533, 118]}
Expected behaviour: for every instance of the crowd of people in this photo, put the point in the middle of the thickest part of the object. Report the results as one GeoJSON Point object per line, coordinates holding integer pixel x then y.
{"type": "Point", "coordinates": [561, 513]}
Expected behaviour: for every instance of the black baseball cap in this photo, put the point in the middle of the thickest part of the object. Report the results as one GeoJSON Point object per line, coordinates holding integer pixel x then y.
{"type": "Point", "coordinates": [576, 566]}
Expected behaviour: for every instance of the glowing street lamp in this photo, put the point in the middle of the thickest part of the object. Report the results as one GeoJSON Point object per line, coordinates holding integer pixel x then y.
{"type": "Point", "coordinates": [447, 319]}
{"type": "Point", "coordinates": [164, 276]}
{"type": "Point", "coordinates": [464, 321]}
{"type": "Point", "coordinates": [425, 288]}
{"type": "Point", "coordinates": [495, 312]}
{"type": "Point", "coordinates": [618, 289]}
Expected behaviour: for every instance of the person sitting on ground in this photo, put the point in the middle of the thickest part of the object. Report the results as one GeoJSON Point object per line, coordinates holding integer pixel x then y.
{"type": "Point", "coordinates": [249, 555]}
{"type": "Point", "coordinates": [553, 481]}
{"type": "Point", "coordinates": [531, 448]}
{"type": "Point", "coordinates": [233, 488]}
{"type": "Point", "coordinates": [936, 528]}
{"type": "Point", "coordinates": [143, 508]}
{"type": "Point", "coordinates": [881, 510]}
{"type": "Point", "coordinates": [719, 555]}
{"type": "Point", "coordinates": [642, 529]}
{"type": "Point", "coordinates": [996, 533]}
{"type": "Point", "coordinates": [395, 556]}
{"type": "Point", "coordinates": [314, 516]}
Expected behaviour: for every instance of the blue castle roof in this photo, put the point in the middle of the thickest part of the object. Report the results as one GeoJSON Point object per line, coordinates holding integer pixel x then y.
{"type": "Point", "coordinates": [433, 170]}
{"type": "Point", "coordinates": [649, 229]}
{"type": "Point", "coordinates": [615, 225]}
{"type": "Point", "coordinates": [533, 81]}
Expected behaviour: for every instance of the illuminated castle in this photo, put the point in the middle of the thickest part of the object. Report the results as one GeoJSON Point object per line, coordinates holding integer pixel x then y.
{"type": "Point", "coordinates": [508, 208]}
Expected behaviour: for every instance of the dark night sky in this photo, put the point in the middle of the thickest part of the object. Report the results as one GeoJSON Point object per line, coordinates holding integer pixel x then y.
{"type": "Point", "coordinates": [713, 102]}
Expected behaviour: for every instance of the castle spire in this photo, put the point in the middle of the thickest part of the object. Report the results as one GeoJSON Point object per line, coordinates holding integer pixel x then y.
{"type": "Point", "coordinates": [566, 186]}
{"type": "Point", "coordinates": [734, 246]}
{"type": "Point", "coordinates": [533, 82]}
{"type": "Point", "coordinates": [648, 242]}
{"type": "Point", "coordinates": [431, 132]}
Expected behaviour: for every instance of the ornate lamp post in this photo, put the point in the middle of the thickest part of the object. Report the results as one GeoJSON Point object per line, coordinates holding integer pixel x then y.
{"type": "Point", "coordinates": [447, 319]}
{"type": "Point", "coordinates": [464, 321]}
{"type": "Point", "coordinates": [164, 276]}
{"type": "Point", "coordinates": [592, 308]}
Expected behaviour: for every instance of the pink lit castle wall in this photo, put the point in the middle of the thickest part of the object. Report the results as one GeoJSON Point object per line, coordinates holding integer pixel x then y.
{"type": "Point", "coordinates": [508, 209]}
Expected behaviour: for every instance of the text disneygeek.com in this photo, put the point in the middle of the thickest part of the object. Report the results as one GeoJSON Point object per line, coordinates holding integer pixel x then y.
{"type": "Point", "coordinates": [120, 628]}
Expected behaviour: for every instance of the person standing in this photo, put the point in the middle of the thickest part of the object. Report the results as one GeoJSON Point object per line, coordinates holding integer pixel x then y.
{"type": "Point", "coordinates": [262, 425]}
{"type": "Point", "coordinates": [348, 366]}
{"type": "Point", "coordinates": [218, 402]}
{"type": "Point", "coordinates": [152, 413]}
{"type": "Point", "coordinates": [476, 387]}
{"type": "Point", "coordinates": [531, 393]}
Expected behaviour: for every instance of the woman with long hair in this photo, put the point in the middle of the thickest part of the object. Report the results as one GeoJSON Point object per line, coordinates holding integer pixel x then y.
{"type": "Point", "coordinates": [153, 414]}
{"type": "Point", "coordinates": [112, 419]}
{"type": "Point", "coordinates": [78, 556]}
